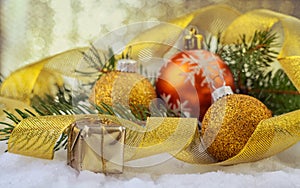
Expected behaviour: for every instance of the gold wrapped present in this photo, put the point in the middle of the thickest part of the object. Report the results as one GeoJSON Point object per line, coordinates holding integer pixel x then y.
{"type": "Point", "coordinates": [96, 145]}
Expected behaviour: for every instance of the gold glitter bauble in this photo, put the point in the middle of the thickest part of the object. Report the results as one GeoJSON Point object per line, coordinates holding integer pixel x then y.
{"type": "Point", "coordinates": [229, 123]}
{"type": "Point", "coordinates": [125, 88]}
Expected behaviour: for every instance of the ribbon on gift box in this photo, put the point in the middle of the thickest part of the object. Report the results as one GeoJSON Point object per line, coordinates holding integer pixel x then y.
{"type": "Point", "coordinates": [178, 136]}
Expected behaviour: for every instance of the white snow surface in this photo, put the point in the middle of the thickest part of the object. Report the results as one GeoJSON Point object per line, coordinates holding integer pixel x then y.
{"type": "Point", "coordinates": [282, 170]}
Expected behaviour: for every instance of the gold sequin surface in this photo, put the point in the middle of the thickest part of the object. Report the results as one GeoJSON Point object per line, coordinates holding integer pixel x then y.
{"type": "Point", "coordinates": [229, 123]}
{"type": "Point", "coordinates": [127, 89]}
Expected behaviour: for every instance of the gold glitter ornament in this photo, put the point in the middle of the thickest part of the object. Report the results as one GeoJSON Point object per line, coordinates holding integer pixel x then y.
{"type": "Point", "coordinates": [123, 87]}
{"type": "Point", "coordinates": [230, 122]}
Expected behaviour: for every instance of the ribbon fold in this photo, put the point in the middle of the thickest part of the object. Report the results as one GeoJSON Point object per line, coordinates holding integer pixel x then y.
{"type": "Point", "coordinates": [177, 136]}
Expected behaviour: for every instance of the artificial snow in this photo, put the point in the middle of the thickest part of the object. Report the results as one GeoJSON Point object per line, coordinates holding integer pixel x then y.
{"type": "Point", "coordinates": [282, 170]}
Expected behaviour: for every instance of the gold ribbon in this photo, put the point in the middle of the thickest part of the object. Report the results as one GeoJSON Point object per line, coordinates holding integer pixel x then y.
{"type": "Point", "coordinates": [287, 26]}
{"type": "Point", "coordinates": [180, 136]}
{"type": "Point", "coordinates": [10, 105]}
{"type": "Point", "coordinates": [291, 65]}
{"type": "Point", "coordinates": [158, 40]}
{"type": "Point", "coordinates": [41, 78]}
{"type": "Point", "coordinates": [36, 136]}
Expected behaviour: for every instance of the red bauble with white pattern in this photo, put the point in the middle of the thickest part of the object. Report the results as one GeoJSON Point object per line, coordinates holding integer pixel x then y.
{"type": "Point", "coordinates": [183, 87]}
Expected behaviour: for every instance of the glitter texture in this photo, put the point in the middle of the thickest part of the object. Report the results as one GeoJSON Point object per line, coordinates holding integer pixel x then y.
{"type": "Point", "coordinates": [230, 122]}
{"type": "Point", "coordinates": [127, 89]}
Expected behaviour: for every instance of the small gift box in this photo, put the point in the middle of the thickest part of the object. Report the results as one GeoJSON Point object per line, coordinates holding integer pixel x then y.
{"type": "Point", "coordinates": [96, 146]}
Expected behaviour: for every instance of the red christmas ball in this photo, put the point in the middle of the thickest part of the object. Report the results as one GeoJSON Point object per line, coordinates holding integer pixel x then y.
{"type": "Point", "coordinates": [182, 86]}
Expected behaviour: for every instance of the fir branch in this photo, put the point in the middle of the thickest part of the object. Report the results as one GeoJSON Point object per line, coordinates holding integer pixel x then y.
{"type": "Point", "coordinates": [62, 141]}
{"type": "Point", "coordinates": [12, 117]}
{"type": "Point", "coordinates": [278, 93]}
{"type": "Point", "coordinates": [1, 79]}
{"type": "Point", "coordinates": [7, 129]}
{"type": "Point", "coordinates": [65, 103]}
{"type": "Point", "coordinates": [111, 63]}
{"type": "Point", "coordinates": [249, 60]}
{"type": "Point", "coordinates": [98, 63]}
{"type": "Point", "coordinates": [124, 112]}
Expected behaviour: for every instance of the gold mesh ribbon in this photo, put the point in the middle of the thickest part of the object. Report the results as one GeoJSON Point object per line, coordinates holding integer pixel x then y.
{"type": "Point", "coordinates": [10, 105]}
{"type": "Point", "coordinates": [156, 41]}
{"type": "Point", "coordinates": [41, 77]}
{"type": "Point", "coordinates": [174, 135]}
{"type": "Point", "coordinates": [271, 136]}
{"type": "Point", "coordinates": [287, 26]}
{"type": "Point", "coordinates": [36, 136]}
{"type": "Point", "coordinates": [291, 65]}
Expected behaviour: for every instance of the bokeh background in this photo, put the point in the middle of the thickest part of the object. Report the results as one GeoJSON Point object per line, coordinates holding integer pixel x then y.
{"type": "Point", "coordinates": [34, 29]}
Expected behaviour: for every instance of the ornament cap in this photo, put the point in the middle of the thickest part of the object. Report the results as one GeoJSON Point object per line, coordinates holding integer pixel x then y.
{"type": "Point", "coordinates": [127, 65]}
{"type": "Point", "coordinates": [192, 41]}
{"type": "Point", "coordinates": [221, 92]}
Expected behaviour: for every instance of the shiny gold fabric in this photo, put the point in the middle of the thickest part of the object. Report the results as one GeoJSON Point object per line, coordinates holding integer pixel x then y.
{"type": "Point", "coordinates": [180, 136]}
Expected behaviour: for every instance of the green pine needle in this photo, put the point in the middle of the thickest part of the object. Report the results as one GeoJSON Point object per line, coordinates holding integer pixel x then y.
{"type": "Point", "coordinates": [249, 59]}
